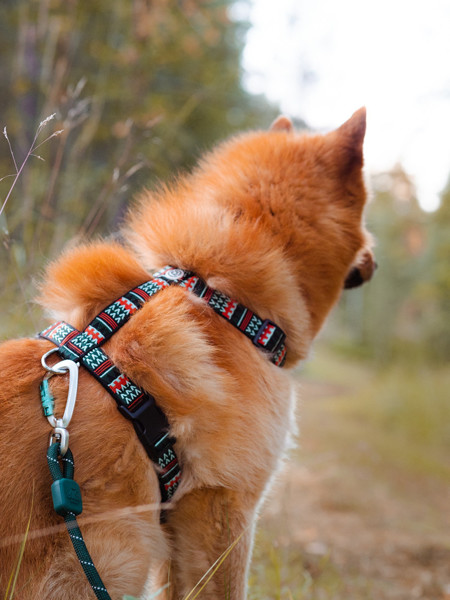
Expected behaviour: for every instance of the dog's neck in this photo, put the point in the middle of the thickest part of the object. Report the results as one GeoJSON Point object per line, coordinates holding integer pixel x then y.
{"type": "Point", "coordinates": [258, 275]}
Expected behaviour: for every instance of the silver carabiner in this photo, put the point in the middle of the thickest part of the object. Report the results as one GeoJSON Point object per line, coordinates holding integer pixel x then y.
{"type": "Point", "coordinates": [62, 367]}
{"type": "Point", "coordinates": [60, 425]}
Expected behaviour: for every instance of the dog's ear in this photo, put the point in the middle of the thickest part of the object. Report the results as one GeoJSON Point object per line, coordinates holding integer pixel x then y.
{"type": "Point", "coordinates": [342, 154]}
{"type": "Point", "coordinates": [348, 141]}
{"type": "Point", "coordinates": [282, 123]}
{"type": "Point", "coordinates": [352, 133]}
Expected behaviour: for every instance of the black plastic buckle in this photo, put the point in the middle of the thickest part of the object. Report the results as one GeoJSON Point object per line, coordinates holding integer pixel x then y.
{"type": "Point", "coordinates": [150, 424]}
{"type": "Point", "coordinates": [277, 339]}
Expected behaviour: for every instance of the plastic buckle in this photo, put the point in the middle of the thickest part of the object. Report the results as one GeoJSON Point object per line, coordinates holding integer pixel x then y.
{"type": "Point", "coordinates": [150, 424]}
{"type": "Point", "coordinates": [277, 337]}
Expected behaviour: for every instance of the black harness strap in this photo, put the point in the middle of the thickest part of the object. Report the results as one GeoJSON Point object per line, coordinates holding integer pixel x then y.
{"type": "Point", "coordinates": [264, 333]}
{"type": "Point", "coordinates": [139, 406]}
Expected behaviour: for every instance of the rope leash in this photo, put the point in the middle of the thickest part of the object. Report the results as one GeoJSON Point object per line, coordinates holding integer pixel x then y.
{"type": "Point", "coordinates": [67, 502]}
{"type": "Point", "coordinates": [66, 493]}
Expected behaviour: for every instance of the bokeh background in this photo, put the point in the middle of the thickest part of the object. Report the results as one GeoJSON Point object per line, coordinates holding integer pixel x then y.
{"type": "Point", "coordinates": [140, 89]}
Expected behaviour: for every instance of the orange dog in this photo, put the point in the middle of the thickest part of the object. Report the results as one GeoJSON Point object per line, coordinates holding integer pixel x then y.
{"type": "Point", "coordinates": [273, 220]}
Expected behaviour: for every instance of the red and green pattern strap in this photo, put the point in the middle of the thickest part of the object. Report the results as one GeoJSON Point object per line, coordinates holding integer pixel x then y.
{"type": "Point", "coordinates": [263, 333]}
{"type": "Point", "coordinates": [77, 344]}
{"type": "Point", "coordinates": [135, 404]}
{"type": "Point", "coordinates": [139, 406]}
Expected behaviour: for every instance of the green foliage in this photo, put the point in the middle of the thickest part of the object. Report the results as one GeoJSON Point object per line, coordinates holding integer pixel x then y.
{"type": "Point", "coordinates": [436, 286]}
{"type": "Point", "coordinates": [404, 409]}
{"type": "Point", "coordinates": [404, 312]}
{"type": "Point", "coordinates": [140, 89]}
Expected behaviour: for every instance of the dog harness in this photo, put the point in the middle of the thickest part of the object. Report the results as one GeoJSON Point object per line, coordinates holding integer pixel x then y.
{"type": "Point", "coordinates": [134, 403]}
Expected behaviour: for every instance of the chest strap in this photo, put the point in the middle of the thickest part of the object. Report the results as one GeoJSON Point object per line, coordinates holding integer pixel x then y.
{"type": "Point", "coordinates": [150, 423]}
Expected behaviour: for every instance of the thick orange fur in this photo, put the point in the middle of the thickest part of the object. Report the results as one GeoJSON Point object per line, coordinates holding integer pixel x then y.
{"type": "Point", "coordinates": [272, 219]}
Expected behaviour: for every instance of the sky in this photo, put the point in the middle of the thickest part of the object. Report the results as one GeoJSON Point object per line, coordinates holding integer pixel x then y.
{"type": "Point", "coordinates": [320, 60]}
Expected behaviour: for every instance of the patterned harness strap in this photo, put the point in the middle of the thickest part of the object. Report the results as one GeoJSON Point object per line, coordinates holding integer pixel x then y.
{"type": "Point", "coordinates": [263, 333]}
{"type": "Point", "coordinates": [139, 406]}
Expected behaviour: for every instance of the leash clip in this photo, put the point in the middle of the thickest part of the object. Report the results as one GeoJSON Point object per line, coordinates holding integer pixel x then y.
{"type": "Point", "coordinates": [60, 432]}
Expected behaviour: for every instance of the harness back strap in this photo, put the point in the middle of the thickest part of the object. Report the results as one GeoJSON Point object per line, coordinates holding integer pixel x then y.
{"type": "Point", "coordinates": [139, 406]}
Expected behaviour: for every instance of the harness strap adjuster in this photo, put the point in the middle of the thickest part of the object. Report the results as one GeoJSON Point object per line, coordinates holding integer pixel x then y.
{"type": "Point", "coordinates": [151, 427]}
{"type": "Point", "coordinates": [269, 337]}
{"type": "Point", "coordinates": [149, 423]}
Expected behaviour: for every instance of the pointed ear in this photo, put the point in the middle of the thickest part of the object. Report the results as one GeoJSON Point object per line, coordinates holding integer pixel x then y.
{"type": "Point", "coordinates": [349, 140]}
{"type": "Point", "coordinates": [282, 123]}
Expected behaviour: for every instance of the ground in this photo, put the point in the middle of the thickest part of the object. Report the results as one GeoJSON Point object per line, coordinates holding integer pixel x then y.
{"type": "Point", "coordinates": [348, 519]}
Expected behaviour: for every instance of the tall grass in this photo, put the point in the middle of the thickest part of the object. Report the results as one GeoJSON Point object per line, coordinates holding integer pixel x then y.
{"type": "Point", "coordinates": [11, 586]}
{"type": "Point", "coordinates": [14, 274]}
{"type": "Point", "coordinates": [51, 200]}
{"type": "Point", "coordinates": [286, 571]}
{"type": "Point", "coordinates": [31, 153]}
{"type": "Point", "coordinates": [206, 578]}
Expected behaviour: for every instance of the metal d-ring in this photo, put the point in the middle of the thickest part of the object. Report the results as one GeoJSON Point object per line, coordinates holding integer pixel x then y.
{"type": "Point", "coordinates": [61, 435]}
{"type": "Point", "coordinates": [52, 368]}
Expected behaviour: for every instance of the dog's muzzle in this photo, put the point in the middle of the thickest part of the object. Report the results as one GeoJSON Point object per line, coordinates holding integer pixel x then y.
{"type": "Point", "coordinates": [361, 271]}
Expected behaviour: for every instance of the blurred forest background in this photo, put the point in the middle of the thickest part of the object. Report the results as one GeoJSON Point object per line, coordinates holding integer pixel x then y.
{"type": "Point", "coordinates": [140, 90]}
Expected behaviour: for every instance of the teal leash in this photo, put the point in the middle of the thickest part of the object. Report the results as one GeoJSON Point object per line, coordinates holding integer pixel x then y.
{"type": "Point", "coordinates": [66, 493]}
{"type": "Point", "coordinates": [67, 502]}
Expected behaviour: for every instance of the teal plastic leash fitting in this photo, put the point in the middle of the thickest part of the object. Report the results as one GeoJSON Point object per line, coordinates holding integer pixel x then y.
{"type": "Point", "coordinates": [67, 502]}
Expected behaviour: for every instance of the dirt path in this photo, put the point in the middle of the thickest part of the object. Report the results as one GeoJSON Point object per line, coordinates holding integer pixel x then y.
{"type": "Point", "coordinates": [383, 531]}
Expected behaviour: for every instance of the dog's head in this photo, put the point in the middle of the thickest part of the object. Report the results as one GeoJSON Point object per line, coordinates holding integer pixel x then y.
{"type": "Point", "coordinates": [329, 200]}
{"type": "Point", "coordinates": [309, 191]}
{"type": "Point", "coordinates": [347, 155]}
{"type": "Point", "coordinates": [290, 203]}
